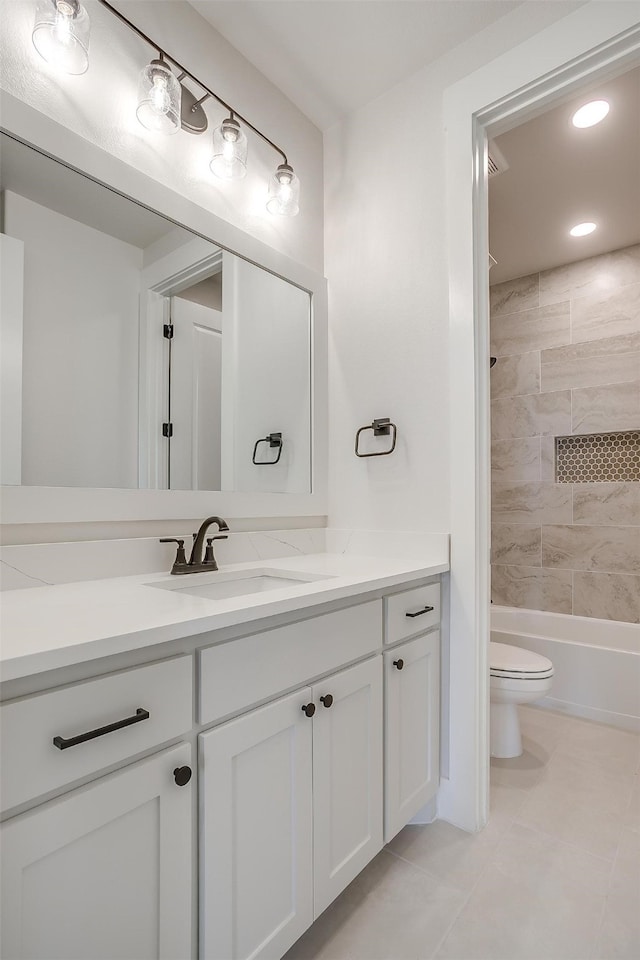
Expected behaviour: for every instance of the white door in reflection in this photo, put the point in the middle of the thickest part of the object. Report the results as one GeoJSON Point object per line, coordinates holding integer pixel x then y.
{"type": "Point", "coordinates": [196, 374]}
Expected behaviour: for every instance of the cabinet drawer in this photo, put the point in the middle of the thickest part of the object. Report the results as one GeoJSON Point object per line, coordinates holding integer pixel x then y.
{"type": "Point", "coordinates": [235, 675]}
{"type": "Point", "coordinates": [33, 764]}
{"type": "Point", "coordinates": [407, 614]}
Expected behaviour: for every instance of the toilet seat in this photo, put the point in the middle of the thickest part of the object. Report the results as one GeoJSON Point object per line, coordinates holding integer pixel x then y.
{"type": "Point", "coordinates": [513, 663]}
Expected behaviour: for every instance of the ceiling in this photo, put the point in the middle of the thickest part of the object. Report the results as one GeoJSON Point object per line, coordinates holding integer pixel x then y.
{"type": "Point", "coordinates": [331, 56]}
{"type": "Point", "coordinates": [559, 176]}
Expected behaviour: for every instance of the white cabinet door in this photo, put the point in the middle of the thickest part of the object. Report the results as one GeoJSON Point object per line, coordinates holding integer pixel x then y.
{"type": "Point", "coordinates": [347, 777]}
{"type": "Point", "coordinates": [103, 873]}
{"type": "Point", "coordinates": [256, 876]}
{"type": "Point", "coordinates": [412, 729]}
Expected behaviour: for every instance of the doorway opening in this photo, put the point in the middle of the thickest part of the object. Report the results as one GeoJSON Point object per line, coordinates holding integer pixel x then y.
{"type": "Point", "coordinates": [527, 374]}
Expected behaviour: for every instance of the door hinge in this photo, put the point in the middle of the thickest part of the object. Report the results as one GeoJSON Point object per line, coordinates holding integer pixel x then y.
{"type": "Point", "coordinates": [167, 429]}
{"type": "Point", "coordinates": [167, 331]}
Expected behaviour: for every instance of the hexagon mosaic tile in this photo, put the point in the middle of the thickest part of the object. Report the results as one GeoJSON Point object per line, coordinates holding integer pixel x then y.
{"type": "Point", "coordinates": [598, 458]}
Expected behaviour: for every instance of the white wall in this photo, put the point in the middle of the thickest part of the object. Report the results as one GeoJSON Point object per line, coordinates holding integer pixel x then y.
{"type": "Point", "coordinates": [100, 106]}
{"type": "Point", "coordinates": [81, 301]}
{"type": "Point", "coordinates": [402, 329]}
{"type": "Point", "coordinates": [386, 260]}
{"type": "Point", "coordinates": [265, 379]}
{"type": "Point", "coordinates": [11, 316]}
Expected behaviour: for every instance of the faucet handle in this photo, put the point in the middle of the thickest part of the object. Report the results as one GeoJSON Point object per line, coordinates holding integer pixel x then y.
{"type": "Point", "coordinates": [208, 554]}
{"type": "Point", "coordinates": [180, 555]}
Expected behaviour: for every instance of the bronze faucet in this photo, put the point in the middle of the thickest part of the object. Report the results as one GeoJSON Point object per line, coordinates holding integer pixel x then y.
{"type": "Point", "coordinates": [196, 564]}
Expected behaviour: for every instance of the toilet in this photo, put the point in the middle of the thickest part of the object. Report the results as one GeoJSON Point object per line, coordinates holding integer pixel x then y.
{"type": "Point", "coordinates": [517, 676]}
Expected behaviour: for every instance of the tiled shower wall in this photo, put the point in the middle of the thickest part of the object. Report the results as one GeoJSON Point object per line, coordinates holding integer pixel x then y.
{"type": "Point", "coordinates": [568, 347]}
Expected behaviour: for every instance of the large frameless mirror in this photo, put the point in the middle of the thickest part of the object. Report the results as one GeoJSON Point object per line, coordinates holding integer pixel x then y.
{"type": "Point", "coordinates": [137, 354]}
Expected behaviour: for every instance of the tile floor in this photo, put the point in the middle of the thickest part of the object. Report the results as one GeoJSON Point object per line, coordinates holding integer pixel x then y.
{"type": "Point", "coordinates": [554, 876]}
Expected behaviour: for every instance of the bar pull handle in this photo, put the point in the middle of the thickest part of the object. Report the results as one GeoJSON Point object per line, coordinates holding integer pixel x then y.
{"type": "Point", "coordinates": [419, 613]}
{"type": "Point", "coordinates": [62, 744]}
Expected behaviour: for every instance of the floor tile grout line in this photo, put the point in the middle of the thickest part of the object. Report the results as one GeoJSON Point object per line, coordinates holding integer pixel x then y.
{"type": "Point", "coordinates": [462, 907]}
{"type": "Point", "coordinates": [591, 765]}
{"type": "Point", "coordinates": [564, 843]}
{"type": "Point", "coordinates": [603, 912]}
{"type": "Point", "coordinates": [421, 869]}
{"type": "Point", "coordinates": [466, 895]}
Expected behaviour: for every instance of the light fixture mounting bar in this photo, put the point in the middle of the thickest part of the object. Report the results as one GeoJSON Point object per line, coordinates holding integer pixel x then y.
{"type": "Point", "coordinates": [187, 73]}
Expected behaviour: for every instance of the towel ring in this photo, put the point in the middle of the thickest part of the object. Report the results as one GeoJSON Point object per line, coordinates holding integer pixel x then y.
{"type": "Point", "coordinates": [274, 440]}
{"type": "Point", "coordinates": [382, 427]}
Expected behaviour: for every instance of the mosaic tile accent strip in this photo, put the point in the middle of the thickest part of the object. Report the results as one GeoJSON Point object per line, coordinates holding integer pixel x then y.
{"type": "Point", "coordinates": [598, 458]}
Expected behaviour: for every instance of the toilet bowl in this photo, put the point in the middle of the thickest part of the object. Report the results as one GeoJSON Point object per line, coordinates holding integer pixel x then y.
{"type": "Point", "coordinates": [517, 676]}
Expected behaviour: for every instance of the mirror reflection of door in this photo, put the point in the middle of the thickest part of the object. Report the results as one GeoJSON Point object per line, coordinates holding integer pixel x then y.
{"type": "Point", "coordinates": [195, 392]}
{"type": "Point", "coordinates": [89, 281]}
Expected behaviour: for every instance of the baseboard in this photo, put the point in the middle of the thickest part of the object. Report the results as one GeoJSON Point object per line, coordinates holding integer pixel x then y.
{"type": "Point", "coordinates": [621, 720]}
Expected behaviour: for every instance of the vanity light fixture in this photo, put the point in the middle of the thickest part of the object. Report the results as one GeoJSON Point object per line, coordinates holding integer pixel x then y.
{"type": "Point", "coordinates": [159, 98]}
{"type": "Point", "coordinates": [284, 192]}
{"type": "Point", "coordinates": [61, 36]}
{"type": "Point", "coordinates": [229, 160]}
{"type": "Point", "coordinates": [582, 229]}
{"type": "Point", "coordinates": [590, 114]}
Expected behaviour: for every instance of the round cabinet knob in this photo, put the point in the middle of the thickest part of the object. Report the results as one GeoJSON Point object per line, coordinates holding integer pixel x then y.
{"type": "Point", "coordinates": [399, 663]}
{"type": "Point", "coordinates": [309, 709]}
{"type": "Point", "coordinates": [182, 775]}
{"type": "Point", "coordinates": [327, 700]}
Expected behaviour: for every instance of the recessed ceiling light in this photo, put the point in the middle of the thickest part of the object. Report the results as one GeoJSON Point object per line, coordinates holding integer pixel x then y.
{"type": "Point", "coordinates": [582, 229]}
{"type": "Point", "coordinates": [590, 114]}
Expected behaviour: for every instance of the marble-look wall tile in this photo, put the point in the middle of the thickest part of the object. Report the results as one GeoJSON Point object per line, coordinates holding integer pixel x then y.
{"type": "Point", "coordinates": [606, 315]}
{"type": "Point", "coordinates": [607, 503]}
{"type": "Point", "coordinates": [607, 596]}
{"type": "Point", "coordinates": [531, 502]}
{"type": "Point", "coordinates": [516, 375]}
{"type": "Point", "coordinates": [591, 372]}
{"type": "Point", "coordinates": [583, 322]}
{"type": "Point", "coordinates": [70, 561]}
{"type": "Point", "coordinates": [531, 587]}
{"type": "Point", "coordinates": [513, 296]}
{"type": "Point", "coordinates": [547, 458]}
{"type": "Point", "coordinates": [516, 543]}
{"type": "Point", "coordinates": [586, 547]}
{"type": "Point", "coordinates": [516, 459]}
{"type": "Point", "coordinates": [546, 414]}
{"type": "Point", "coordinates": [531, 330]}
{"type": "Point", "coordinates": [592, 276]}
{"type": "Point", "coordinates": [604, 347]}
{"type": "Point", "coordinates": [613, 407]}
{"type": "Point", "coordinates": [11, 578]}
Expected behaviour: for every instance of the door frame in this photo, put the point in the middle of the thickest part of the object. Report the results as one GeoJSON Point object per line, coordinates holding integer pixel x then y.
{"type": "Point", "coordinates": [592, 43]}
{"type": "Point", "coordinates": [195, 261]}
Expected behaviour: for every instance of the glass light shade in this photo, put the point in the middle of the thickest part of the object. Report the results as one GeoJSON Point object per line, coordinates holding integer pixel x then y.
{"type": "Point", "coordinates": [284, 192]}
{"type": "Point", "coordinates": [229, 160]}
{"type": "Point", "coordinates": [61, 34]}
{"type": "Point", "coordinates": [159, 96]}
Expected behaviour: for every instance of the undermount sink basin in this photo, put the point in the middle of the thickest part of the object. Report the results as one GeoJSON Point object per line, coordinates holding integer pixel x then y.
{"type": "Point", "coordinates": [223, 586]}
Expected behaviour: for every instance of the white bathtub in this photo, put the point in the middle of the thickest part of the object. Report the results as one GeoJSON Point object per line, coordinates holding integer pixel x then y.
{"type": "Point", "coordinates": [596, 662]}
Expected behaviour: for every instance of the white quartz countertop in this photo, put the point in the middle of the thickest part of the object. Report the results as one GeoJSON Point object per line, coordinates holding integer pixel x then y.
{"type": "Point", "coordinates": [56, 626]}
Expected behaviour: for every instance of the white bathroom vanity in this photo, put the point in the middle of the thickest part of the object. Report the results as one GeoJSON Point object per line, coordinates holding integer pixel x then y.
{"type": "Point", "coordinates": [192, 774]}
